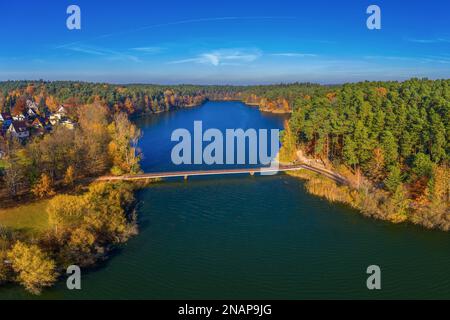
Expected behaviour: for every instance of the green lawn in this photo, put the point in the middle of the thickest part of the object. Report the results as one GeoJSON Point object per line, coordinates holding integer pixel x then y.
{"type": "Point", "coordinates": [29, 218]}
{"type": "Point", "coordinates": [2, 164]}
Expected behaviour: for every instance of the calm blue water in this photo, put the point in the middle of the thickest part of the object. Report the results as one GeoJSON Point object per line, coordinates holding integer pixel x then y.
{"type": "Point", "coordinates": [157, 145]}
{"type": "Point", "coordinates": [255, 237]}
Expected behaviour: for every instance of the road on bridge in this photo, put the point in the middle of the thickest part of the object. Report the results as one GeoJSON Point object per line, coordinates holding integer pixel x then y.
{"type": "Point", "coordinates": [185, 174]}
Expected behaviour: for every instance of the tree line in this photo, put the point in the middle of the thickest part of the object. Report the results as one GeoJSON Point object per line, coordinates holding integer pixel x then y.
{"type": "Point", "coordinates": [144, 98]}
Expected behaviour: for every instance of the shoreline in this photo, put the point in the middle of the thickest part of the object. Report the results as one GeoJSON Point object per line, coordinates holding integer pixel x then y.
{"type": "Point", "coordinates": [175, 108]}
{"type": "Point", "coordinates": [323, 187]}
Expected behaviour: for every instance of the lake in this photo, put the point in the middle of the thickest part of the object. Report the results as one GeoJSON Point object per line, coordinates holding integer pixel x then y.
{"type": "Point", "coordinates": [246, 237]}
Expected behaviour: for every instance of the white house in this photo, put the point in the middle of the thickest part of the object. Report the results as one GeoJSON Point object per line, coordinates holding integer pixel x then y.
{"type": "Point", "coordinates": [31, 112]}
{"type": "Point", "coordinates": [19, 129]}
{"type": "Point", "coordinates": [54, 119]}
{"type": "Point", "coordinates": [19, 117]}
{"type": "Point", "coordinates": [61, 111]}
{"type": "Point", "coordinates": [69, 124]}
{"type": "Point", "coordinates": [32, 105]}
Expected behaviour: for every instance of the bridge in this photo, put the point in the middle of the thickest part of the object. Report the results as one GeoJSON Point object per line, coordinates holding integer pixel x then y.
{"type": "Point", "coordinates": [252, 171]}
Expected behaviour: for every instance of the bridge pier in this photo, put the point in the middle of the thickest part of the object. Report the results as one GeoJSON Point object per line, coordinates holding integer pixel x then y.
{"type": "Point", "coordinates": [252, 173]}
{"type": "Point", "coordinates": [186, 177]}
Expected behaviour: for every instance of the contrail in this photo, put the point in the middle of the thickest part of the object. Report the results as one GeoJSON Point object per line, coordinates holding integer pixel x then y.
{"type": "Point", "coordinates": [178, 23]}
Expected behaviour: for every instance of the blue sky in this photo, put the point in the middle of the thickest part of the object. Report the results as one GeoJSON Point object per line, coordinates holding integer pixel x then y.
{"type": "Point", "coordinates": [224, 42]}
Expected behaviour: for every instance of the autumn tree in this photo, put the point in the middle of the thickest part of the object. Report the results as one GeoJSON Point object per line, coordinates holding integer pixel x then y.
{"type": "Point", "coordinates": [51, 103]}
{"type": "Point", "coordinates": [82, 245]}
{"type": "Point", "coordinates": [399, 205]}
{"type": "Point", "coordinates": [69, 176]}
{"type": "Point", "coordinates": [377, 170]}
{"type": "Point", "coordinates": [108, 205]}
{"type": "Point", "coordinates": [93, 122]}
{"type": "Point", "coordinates": [13, 176]}
{"type": "Point", "coordinates": [19, 107]}
{"type": "Point", "coordinates": [44, 187]}
{"type": "Point", "coordinates": [65, 211]}
{"type": "Point", "coordinates": [434, 211]}
{"type": "Point", "coordinates": [288, 150]}
{"type": "Point", "coordinates": [123, 146]}
{"type": "Point", "coordinates": [34, 269]}
{"type": "Point", "coordinates": [439, 185]}
{"type": "Point", "coordinates": [129, 106]}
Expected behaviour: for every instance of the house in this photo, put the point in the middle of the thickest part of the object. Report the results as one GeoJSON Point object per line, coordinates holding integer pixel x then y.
{"type": "Point", "coordinates": [18, 129]}
{"type": "Point", "coordinates": [54, 120]}
{"type": "Point", "coordinates": [69, 124]}
{"type": "Point", "coordinates": [31, 113]}
{"type": "Point", "coordinates": [62, 111]}
{"type": "Point", "coordinates": [5, 122]}
{"type": "Point", "coordinates": [40, 126]}
{"type": "Point", "coordinates": [19, 117]}
{"type": "Point", "coordinates": [32, 105]}
{"type": "Point", "coordinates": [4, 117]}
{"type": "Point", "coordinates": [38, 123]}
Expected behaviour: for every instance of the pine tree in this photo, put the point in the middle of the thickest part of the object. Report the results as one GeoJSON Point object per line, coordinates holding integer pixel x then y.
{"type": "Point", "coordinates": [390, 148]}
{"type": "Point", "coordinates": [394, 179]}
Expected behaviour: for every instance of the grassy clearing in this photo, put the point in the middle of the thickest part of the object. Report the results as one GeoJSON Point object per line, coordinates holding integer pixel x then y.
{"type": "Point", "coordinates": [2, 164]}
{"type": "Point", "coordinates": [30, 218]}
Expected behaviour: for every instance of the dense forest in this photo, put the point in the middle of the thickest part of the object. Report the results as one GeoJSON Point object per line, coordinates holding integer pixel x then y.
{"type": "Point", "coordinates": [393, 139]}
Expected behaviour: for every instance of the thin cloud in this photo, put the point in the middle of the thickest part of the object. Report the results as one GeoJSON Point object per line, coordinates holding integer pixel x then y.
{"type": "Point", "coordinates": [391, 58]}
{"type": "Point", "coordinates": [223, 57]}
{"type": "Point", "coordinates": [193, 60]}
{"type": "Point", "coordinates": [148, 50]}
{"type": "Point", "coordinates": [293, 54]}
{"type": "Point", "coordinates": [427, 41]}
{"type": "Point", "coordinates": [181, 22]}
{"type": "Point", "coordinates": [107, 53]}
{"type": "Point", "coordinates": [87, 50]}
{"type": "Point", "coordinates": [426, 59]}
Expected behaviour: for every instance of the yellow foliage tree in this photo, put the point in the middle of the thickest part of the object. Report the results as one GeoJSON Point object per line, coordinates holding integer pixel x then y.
{"type": "Point", "coordinates": [440, 186]}
{"type": "Point", "coordinates": [123, 146]}
{"type": "Point", "coordinates": [51, 103]}
{"type": "Point", "coordinates": [43, 188]}
{"type": "Point", "coordinates": [65, 211]}
{"type": "Point", "coordinates": [288, 148]}
{"type": "Point", "coordinates": [35, 270]}
{"type": "Point", "coordinates": [69, 177]}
